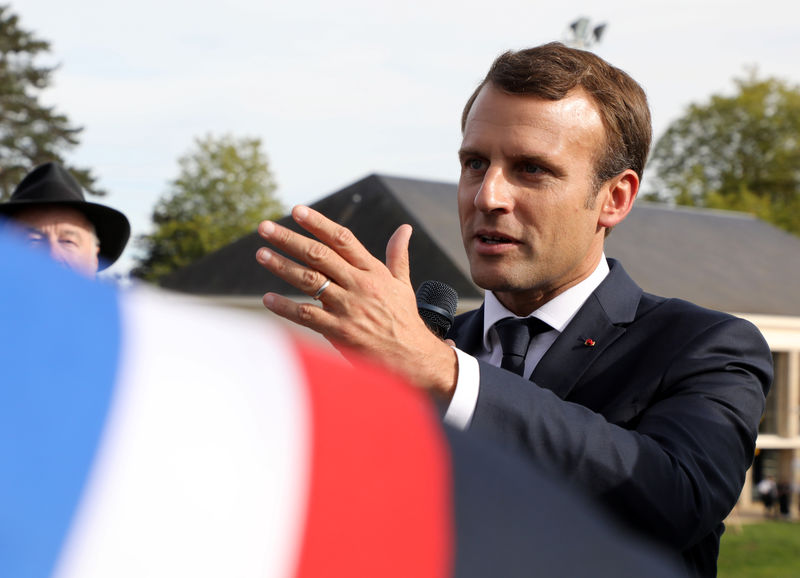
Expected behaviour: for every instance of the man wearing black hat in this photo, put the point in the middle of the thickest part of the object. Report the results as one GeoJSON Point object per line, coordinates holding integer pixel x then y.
{"type": "Point", "coordinates": [49, 204]}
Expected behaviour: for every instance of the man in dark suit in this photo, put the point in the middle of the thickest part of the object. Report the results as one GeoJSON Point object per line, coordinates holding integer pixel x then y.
{"type": "Point", "coordinates": [651, 405]}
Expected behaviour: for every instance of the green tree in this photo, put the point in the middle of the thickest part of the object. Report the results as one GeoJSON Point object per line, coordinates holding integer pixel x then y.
{"type": "Point", "coordinates": [739, 152]}
{"type": "Point", "coordinates": [30, 133]}
{"type": "Point", "coordinates": [225, 188]}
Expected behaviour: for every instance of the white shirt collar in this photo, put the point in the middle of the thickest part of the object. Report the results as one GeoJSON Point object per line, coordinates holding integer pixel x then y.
{"type": "Point", "coordinates": [557, 312]}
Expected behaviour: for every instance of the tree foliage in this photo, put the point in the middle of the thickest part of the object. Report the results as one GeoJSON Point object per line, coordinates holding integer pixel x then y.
{"type": "Point", "coordinates": [30, 133]}
{"type": "Point", "coordinates": [224, 189]}
{"type": "Point", "coordinates": [739, 152]}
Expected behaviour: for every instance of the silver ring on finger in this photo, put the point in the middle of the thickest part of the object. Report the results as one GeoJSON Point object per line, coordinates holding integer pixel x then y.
{"type": "Point", "coordinates": [321, 290]}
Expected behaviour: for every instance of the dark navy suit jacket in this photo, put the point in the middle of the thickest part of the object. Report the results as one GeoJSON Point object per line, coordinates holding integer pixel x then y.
{"type": "Point", "coordinates": [649, 404]}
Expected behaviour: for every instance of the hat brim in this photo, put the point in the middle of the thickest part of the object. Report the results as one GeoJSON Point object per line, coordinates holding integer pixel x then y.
{"type": "Point", "coordinates": [112, 227]}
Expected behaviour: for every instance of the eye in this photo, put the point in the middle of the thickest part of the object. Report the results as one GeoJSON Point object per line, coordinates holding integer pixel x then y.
{"type": "Point", "coordinates": [474, 164]}
{"type": "Point", "coordinates": [35, 239]}
{"type": "Point", "coordinates": [532, 168]}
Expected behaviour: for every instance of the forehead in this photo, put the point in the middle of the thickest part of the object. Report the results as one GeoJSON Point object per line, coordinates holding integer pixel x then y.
{"type": "Point", "coordinates": [533, 121]}
{"type": "Point", "coordinates": [53, 217]}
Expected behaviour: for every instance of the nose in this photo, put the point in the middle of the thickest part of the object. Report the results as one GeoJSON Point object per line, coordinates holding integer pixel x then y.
{"type": "Point", "coordinates": [494, 194]}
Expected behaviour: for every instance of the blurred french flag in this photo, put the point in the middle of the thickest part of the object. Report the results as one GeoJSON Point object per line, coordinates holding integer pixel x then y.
{"type": "Point", "coordinates": [145, 435]}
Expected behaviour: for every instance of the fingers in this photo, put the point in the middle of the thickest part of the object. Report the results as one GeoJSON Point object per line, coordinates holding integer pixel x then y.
{"type": "Point", "coordinates": [322, 263]}
{"type": "Point", "coordinates": [334, 255]}
{"type": "Point", "coordinates": [305, 314]}
{"type": "Point", "coordinates": [307, 280]}
{"type": "Point", "coordinates": [397, 254]}
{"type": "Point", "coordinates": [339, 239]}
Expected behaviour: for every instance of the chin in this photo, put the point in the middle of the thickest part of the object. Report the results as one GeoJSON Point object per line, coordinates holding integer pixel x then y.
{"type": "Point", "coordinates": [492, 281]}
{"type": "Point", "coordinates": [502, 280]}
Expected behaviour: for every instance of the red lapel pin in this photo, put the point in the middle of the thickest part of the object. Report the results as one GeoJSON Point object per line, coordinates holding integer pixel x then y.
{"type": "Point", "coordinates": [590, 343]}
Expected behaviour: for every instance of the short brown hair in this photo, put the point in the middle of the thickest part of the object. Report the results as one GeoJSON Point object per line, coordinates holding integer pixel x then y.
{"type": "Point", "coordinates": [552, 70]}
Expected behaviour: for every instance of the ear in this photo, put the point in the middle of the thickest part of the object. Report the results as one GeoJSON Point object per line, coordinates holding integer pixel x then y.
{"type": "Point", "coordinates": [617, 196]}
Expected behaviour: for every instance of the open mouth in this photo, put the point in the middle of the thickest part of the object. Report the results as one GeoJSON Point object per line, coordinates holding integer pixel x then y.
{"type": "Point", "coordinates": [494, 240]}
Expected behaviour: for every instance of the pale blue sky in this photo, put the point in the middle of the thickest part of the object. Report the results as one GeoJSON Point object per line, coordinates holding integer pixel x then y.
{"type": "Point", "coordinates": [339, 90]}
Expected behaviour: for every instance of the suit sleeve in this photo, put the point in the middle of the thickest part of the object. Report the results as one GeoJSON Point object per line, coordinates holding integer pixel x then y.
{"type": "Point", "coordinates": [676, 469]}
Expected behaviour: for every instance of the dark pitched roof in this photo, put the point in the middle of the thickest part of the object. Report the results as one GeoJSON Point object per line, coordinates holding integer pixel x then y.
{"type": "Point", "coordinates": [372, 208]}
{"type": "Point", "coordinates": [718, 259]}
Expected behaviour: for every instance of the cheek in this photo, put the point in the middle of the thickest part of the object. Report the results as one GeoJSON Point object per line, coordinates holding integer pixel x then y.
{"type": "Point", "coordinates": [576, 233]}
{"type": "Point", "coordinates": [464, 203]}
{"type": "Point", "coordinates": [86, 260]}
{"type": "Point", "coordinates": [558, 227]}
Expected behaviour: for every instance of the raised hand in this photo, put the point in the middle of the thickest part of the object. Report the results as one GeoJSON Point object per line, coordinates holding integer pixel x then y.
{"type": "Point", "coordinates": [367, 307]}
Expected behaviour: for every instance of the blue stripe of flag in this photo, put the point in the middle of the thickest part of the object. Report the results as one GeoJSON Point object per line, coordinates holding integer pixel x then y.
{"type": "Point", "coordinates": [59, 351]}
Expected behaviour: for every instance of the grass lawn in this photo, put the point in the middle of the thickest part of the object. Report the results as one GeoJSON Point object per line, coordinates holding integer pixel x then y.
{"type": "Point", "coordinates": [761, 550]}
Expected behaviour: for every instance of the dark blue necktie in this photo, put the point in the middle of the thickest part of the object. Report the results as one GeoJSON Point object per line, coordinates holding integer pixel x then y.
{"type": "Point", "coordinates": [515, 338]}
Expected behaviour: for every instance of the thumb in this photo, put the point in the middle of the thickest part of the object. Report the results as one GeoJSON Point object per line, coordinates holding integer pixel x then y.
{"type": "Point", "coordinates": [397, 254]}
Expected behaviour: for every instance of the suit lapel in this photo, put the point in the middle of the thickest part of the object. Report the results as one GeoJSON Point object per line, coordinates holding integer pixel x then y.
{"type": "Point", "coordinates": [598, 324]}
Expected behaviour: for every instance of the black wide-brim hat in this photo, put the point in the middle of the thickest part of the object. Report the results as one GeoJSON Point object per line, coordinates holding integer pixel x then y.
{"type": "Point", "coordinates": [51, 185]}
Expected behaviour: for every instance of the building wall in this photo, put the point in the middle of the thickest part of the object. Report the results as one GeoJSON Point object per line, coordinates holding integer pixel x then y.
{"type": "Point", "coordinates": [778, 444]}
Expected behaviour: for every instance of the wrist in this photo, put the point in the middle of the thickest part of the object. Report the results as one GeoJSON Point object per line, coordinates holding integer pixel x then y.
{"type": "Point", "coordinates": [444, 374]}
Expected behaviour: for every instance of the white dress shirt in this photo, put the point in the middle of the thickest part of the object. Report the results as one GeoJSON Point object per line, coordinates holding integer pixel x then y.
{"type": "Point", "coordinates": [557, 313]}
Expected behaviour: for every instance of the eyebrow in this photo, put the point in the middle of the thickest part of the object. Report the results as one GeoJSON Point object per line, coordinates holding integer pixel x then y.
{"type": "Point", "coordinates": [537, 159]}
{"type": "Point", "coordinates": [465, 152]}
{"type": "Point", "coordinates": [68, 233]}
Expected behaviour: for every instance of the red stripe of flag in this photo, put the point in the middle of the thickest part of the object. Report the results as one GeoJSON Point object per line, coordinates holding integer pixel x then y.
{"type": "Point", "coordinates": [380, 493]}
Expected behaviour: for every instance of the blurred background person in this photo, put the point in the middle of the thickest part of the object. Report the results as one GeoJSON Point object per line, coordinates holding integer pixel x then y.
{"type": "Point", "coordinates": [768, 492]}
{"type": "Point", "coordinates": [50, 208]}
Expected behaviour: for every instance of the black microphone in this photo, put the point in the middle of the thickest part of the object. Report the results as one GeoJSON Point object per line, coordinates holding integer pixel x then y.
{"type": "Point", "coordinates": [436, 303]}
